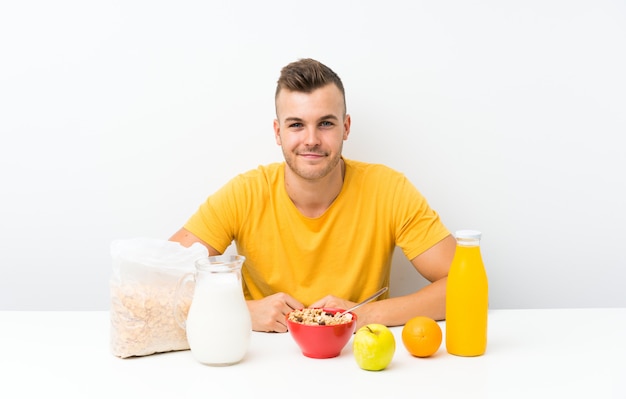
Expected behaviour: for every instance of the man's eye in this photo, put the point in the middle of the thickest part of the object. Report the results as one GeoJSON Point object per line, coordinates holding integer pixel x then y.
{"type": "Point", "coordinates": [326, 124]}
{"type": "Point", "coordinates": [295, 125]}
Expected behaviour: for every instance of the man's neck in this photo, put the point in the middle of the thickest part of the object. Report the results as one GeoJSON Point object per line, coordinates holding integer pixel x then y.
{"type": "Point", "coordinates": [314, 197]}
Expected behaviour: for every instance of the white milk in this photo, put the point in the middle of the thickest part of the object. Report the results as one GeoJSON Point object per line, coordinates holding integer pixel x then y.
{"type": "Point", "coordinates": [218, 324]}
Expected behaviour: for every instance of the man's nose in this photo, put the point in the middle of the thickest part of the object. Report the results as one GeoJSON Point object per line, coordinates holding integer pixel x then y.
{"type": "Point", "coordinates": [312, 136]}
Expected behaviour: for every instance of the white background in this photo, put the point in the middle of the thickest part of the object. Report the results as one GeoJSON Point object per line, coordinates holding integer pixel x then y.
{"type": "Point", "coordinates": [117, 118]}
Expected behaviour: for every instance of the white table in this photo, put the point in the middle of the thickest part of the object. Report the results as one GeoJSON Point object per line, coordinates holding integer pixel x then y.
{"type": "Point", "coordinates": [565, 353]}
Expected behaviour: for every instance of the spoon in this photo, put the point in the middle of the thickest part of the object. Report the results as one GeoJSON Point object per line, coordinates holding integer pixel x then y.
{"type": "Point", "coordinates": [358, 305]}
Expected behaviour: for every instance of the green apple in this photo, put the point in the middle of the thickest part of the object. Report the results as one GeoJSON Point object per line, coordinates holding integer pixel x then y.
{"type": "Point", "coordinates": [374, 346]}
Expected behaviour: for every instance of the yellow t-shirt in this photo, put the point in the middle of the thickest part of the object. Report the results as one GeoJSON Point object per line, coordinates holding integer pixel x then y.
{"type": "Point", "coordinates": [345, 252]}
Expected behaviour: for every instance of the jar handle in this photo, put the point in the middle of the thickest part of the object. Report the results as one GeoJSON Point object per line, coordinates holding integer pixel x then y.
{"type": "Point", "coordinates": [179, 299]}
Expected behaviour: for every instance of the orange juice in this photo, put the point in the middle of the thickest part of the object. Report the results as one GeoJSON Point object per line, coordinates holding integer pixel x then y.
{"type": "Point", "coordinates": [467, 298]}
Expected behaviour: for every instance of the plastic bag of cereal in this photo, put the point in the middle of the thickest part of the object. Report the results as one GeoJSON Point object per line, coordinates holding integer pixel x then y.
{"type": "Point", "coordinates": [145, 274]}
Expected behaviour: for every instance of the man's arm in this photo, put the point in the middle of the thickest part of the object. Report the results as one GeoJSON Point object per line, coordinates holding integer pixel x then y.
{"type": "Point", "coordinates": [429, 301]}
{"type": "Point", "coordinates": [268, 314]}
{"type": "Point", "coordinates": [187, 238]}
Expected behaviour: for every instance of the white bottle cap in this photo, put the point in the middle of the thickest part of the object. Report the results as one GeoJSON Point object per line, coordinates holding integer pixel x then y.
{"type": "Point", "coordinates": [469, 234]}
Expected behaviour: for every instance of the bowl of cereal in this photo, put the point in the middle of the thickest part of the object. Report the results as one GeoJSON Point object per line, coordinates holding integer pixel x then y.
{"type": "Point", "coordinates": [321, 333]}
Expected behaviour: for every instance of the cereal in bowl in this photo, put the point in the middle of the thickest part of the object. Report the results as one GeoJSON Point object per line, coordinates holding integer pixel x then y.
{"type": "Point", "coordinates": [319, 317]}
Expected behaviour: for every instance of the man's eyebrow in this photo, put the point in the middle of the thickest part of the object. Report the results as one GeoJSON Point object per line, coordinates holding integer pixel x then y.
{"type": "Point", "coordinates": [292, 119]}
{"type": "Point", "coordinates": [329, 116]}
{"type": "Point", "coordinates": [323, 118]}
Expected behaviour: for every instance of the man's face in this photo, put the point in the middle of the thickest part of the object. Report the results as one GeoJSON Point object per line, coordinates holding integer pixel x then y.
{"type": "Point", "coordinates": [311, 128]}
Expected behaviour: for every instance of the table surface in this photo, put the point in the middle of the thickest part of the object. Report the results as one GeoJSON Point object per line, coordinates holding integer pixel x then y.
{"type": "Point", "coordinates": [544, 353]}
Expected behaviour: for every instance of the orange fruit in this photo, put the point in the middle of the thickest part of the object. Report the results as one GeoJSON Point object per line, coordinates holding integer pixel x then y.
{"type": "Point", "coordinates": [421, 336]}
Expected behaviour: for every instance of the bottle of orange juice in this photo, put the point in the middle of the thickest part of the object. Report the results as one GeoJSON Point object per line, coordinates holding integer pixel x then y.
{"type": "Point", "coordinates": [467, 298]}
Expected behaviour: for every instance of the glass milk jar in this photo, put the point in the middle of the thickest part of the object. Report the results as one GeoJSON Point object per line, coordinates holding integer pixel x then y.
{"type": "Point", "coordinates": [218, 324]}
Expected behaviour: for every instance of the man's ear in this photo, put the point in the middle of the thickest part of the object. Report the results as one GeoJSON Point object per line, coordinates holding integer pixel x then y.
{"type": "Point", "coordinates": [277, 131]}
{"type": "Point", "coordinates": [346, 127]}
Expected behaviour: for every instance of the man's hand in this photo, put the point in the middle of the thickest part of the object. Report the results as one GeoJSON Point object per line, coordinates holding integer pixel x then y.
{"type": "Point", "coordinates": [363, 314]}
{"type": "Point", "coordinates": [330, 301]}
{"type": "Point", "coordinates": [268, 314]}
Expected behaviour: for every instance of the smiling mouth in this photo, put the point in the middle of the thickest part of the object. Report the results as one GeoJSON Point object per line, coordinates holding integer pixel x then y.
{"type": "Point", "coordinates": [312, 154]}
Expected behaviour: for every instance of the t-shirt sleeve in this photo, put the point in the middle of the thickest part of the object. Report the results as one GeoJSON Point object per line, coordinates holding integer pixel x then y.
{"type": "Point", "coordinates": [216, 219]}
{"type": "Point", "coordinates": [419, 227]}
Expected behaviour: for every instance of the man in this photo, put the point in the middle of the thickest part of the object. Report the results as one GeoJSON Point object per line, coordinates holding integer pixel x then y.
{"type": "Point", "coordinates": [319, 230]}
